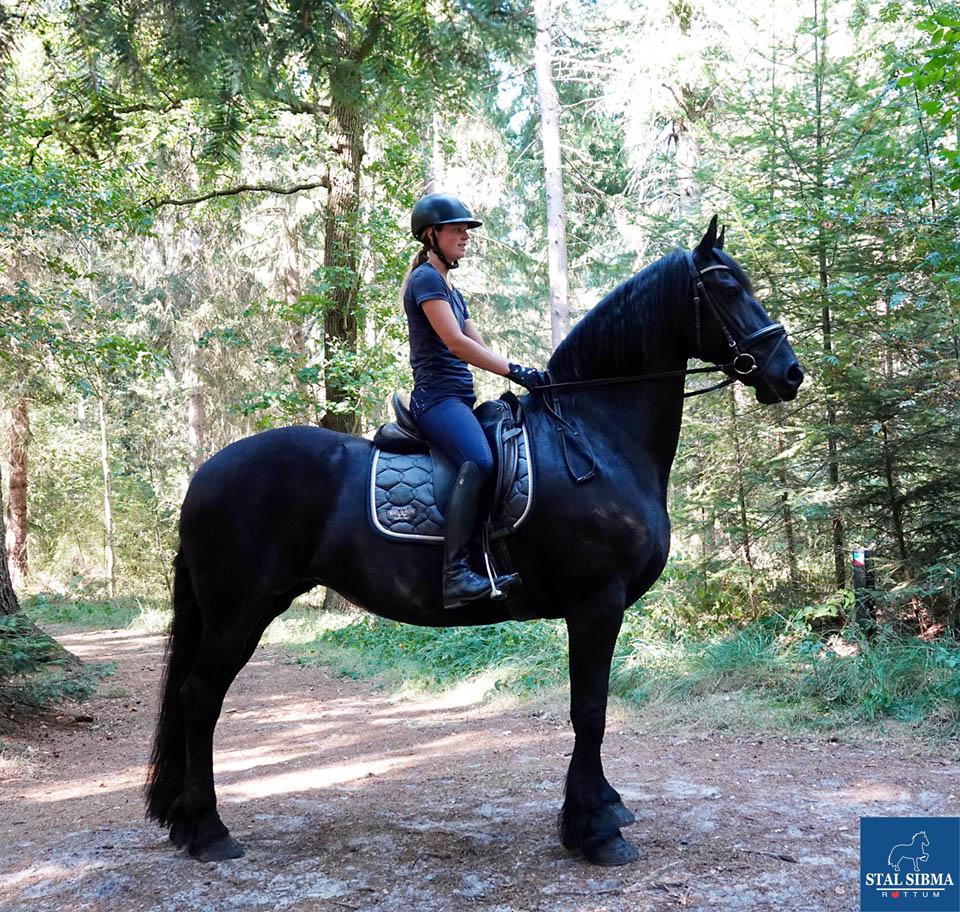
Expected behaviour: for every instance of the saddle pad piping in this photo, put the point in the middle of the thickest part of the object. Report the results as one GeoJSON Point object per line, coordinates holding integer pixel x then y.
{"type": "Point", "coordinates": [529, 456]}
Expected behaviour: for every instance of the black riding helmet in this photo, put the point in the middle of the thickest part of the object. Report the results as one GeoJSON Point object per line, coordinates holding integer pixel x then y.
{"type": "Point", "coordinates": [439, 209]}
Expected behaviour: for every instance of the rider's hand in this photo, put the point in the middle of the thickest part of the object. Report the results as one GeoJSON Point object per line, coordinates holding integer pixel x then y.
{"type": "Point", "coordinates": [527, 377]}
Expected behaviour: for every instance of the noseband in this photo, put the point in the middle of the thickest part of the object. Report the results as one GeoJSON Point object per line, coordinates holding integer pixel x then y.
{"type": "Point", "coordinates": [743, 363]}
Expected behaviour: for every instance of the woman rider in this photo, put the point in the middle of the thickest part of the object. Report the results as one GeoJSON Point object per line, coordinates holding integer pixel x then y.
{"type": "Point", "coordinates": [443, 341]}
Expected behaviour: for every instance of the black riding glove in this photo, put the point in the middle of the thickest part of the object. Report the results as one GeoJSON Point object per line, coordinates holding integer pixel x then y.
{"type": "Point", "coordinates": [528, 377]}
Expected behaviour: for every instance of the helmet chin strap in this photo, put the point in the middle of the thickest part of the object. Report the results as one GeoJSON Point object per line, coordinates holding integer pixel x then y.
{"type": "Point", "coordinates": [435, 247]}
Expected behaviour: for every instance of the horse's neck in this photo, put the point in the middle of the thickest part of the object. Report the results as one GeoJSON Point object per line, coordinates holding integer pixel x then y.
{"type": "Point", "coordinates": [636, 329]}
{"type": "Point", "coordinates": [641, 412]}
{"type": "Point", "coordinates": [634, 332]}
{"type": "Point", "coordinates": [640, 421]}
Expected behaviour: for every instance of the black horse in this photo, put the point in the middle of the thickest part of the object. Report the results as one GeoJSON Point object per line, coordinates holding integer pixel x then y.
{"type": "Point", "coordinates": [274, 515]}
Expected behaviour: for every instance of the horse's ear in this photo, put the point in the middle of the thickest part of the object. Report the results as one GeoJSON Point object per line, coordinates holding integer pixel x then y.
{"type": "Point", "coordinates": [723, 232]}
{"type": "Point", "coordinates": [709, 239]}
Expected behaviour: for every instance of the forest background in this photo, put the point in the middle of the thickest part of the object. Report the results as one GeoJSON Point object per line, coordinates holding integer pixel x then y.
{"type": "Point", "coordinates": [204, 224]}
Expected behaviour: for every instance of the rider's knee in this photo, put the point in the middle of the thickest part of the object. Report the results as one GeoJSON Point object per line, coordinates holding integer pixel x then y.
{"type": "Point", "coordinates": [484, 463]}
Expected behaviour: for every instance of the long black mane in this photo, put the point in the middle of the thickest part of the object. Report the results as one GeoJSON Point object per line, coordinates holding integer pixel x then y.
{"type": "Point", "coordinates": [633, 324]}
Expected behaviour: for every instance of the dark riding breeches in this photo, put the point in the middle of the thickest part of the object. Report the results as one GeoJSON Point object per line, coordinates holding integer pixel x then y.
{"type": "Point", "coordinates": [450, 425]}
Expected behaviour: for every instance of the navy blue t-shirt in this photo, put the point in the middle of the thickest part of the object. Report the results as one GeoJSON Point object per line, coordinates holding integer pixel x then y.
{"type": "Point", "coordinates": [437, 372]}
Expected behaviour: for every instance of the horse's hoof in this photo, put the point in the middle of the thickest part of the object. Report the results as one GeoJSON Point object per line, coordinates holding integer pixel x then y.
{"type": "Point", "coordinates": [620, 815]}
{"type": "Point", "coordinates": [222, 849]}
{"type": "Point", "coordinates": [180, 834]}
{"type": "Point", "coordinates": [615, 851]}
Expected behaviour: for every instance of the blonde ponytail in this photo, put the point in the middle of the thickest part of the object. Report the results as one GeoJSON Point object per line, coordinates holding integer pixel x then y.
{"type": "Point", "coordinates": [417, 260]}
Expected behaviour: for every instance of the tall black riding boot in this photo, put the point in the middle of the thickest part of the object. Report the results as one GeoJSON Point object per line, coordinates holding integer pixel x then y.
{"type": "Point", "coordinates": [460, 584]}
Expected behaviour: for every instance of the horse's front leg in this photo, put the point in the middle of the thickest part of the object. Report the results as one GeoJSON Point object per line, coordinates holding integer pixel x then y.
{"type": "Point", "coordinates": [592, 810]}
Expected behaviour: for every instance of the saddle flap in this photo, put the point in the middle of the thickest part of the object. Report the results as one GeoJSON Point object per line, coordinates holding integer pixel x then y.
{"type": "Point", "coordinates": [502, 423]}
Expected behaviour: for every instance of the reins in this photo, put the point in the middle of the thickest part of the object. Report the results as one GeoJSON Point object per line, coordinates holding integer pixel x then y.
{"type": "Point", "coordinates": [742, 365]}
{"type": "Point", "coordinates": [636, 378]}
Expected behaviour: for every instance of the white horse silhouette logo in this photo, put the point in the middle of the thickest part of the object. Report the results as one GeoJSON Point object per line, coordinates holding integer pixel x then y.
{"type": "Point", "coordinates": [910, 851]}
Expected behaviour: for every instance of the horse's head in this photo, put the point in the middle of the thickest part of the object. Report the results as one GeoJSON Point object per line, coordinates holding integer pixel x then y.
{"type": "Point", "coordinates": [732, 329]}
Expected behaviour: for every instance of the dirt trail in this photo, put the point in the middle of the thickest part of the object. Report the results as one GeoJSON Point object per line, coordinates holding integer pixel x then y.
{"type": "Point", "coordinates": [348, 799]}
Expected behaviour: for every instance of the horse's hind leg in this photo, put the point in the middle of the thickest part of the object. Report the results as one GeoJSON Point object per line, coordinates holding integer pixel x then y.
{"type": "Point", "coordinates": [592, 810]}
{"type": "Point", "coordinates": [221, 655]}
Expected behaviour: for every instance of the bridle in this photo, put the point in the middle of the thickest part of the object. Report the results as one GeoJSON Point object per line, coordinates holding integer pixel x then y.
{"type": "Point", "coordinates": [742, 364]}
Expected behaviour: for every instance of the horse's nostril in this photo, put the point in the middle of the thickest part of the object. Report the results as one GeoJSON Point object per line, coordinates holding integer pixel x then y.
{"type": "Point", "coordinates": [795, 373]}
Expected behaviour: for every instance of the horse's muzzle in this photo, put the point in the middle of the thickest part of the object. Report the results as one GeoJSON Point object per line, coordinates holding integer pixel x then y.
{"type": "Point", "coordinates": [779, 386]}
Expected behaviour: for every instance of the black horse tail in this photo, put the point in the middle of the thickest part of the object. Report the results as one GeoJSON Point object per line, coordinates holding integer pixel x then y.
{"type": "Point", "coordinates": [169, 757]}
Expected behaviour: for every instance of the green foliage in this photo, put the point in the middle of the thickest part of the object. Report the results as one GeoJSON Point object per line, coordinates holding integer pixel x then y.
{"type": "Point", "coordinates": [823, 682]}
{"type": "Point", "coordinates": [791, 675]}
{"type": "Point", "coordinates": [77, 611]}
{"type": "Point", "coordinates": [526, 656]}
{"type": "Point", "coordinates": [239, 63]}
{"type": "Point", "coordinates": [694, 600]}
{"type": "Point", "coordinates": [825, 144]}
{"type": "Point", "coordinates": [34, 671]}
{"type": "Point", "coordinates": [906, 679]}
{"type": "Point", "coordinates": [933, 71]}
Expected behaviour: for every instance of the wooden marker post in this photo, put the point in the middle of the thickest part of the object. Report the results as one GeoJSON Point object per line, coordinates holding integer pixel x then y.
{"type": "Point", "coordinates": [864, 582]}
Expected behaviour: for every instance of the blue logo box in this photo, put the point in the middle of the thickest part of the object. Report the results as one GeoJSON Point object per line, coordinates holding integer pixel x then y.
{"type": "Point", "coordinates": [910, 864]}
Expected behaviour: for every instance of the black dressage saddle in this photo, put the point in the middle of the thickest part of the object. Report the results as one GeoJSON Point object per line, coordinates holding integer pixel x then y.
{"type": "Point", "coordinates": [410, 481]}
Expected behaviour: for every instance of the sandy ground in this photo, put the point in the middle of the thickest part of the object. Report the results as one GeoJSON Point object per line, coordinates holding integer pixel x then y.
{"type": "Point", "coordinates": [348, 798]}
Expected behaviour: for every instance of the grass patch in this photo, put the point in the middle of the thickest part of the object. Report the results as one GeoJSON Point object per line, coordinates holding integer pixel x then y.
{"type": "Point", "coordinates": [304, 624]}
{"type": "Point", "coordinates": [760, 677]}
{"type": "Point", "coordinates": [906, 679]}
{"type": "Point", "coordinates": [787, 680]}
{"type": "Point", "coordinates": [48, 609]}
{"type": "Point", "coordinates": [36, 672]}
{"type": "Point", "coordinates": [519, 658]}
{"type": "Point", "coordinates": [771, 674]}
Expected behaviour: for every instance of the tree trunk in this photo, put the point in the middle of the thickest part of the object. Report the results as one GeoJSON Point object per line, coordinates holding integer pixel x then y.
{"type": "Point", "coordinates": [162, 559]}
{"type": "Point", "coordinates": [16, 534]}
{"type": "Point", "coordinates": [553, 175]}
{"type": "Point", "coordinates": [340, 260]}
{"type": "Point", "coordinates": [787, 510]}
{"type": "Point", "coordinates": [708, 544]}
{"type": "Point", "coordinates": [334, 601]}
{"type": "Point", "coordinates": [896, 504]}
{"type": "Point", "coordinates": [436, 173]}
{"type": "Point", "coordinates": [107, 496]}
{"type": "Point", "coordinates": [8, 598]}
{"type": "Point", "coordinates": [833, 472]}
{"type": "Point", "coordinates": [687, 158]}
{"type": "Point", "coordinates": [9, 606]}
{"type": "Point", "coordinates": [742, 496]}
{"type": "Point", "coordinates": [196, 424]}
{"type": "Point", "coordinates": [833, 459]}
{"type": "Point", "coordinates": [291, 289]}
